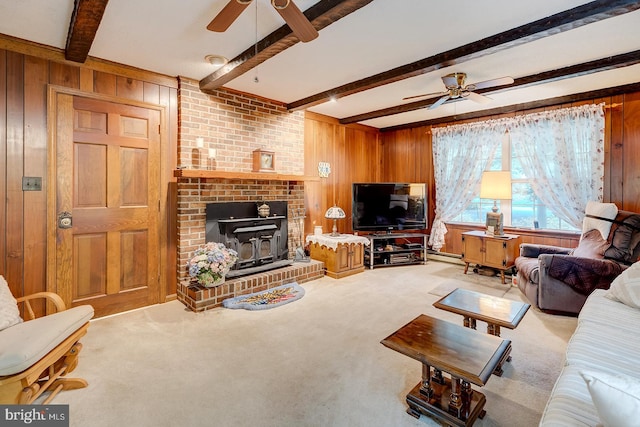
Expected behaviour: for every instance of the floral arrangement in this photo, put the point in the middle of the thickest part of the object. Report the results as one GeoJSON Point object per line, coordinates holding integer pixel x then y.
{"type": "Point", "coordinates": [211, 262]}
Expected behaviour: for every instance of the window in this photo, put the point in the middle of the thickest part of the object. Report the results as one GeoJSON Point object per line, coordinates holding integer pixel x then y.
{"type": "Point", "coordinates": [562, 163]}
{"type": "Point", "coordinates": [524, 210]}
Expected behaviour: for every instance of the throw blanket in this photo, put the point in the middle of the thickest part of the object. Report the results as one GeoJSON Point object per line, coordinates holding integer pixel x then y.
{"type": "Point", "coordinates": [582, 274]}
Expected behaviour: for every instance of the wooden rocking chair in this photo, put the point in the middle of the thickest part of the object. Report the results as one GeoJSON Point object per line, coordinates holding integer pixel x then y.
{"type": "Point", "coordinates": [37, 354]}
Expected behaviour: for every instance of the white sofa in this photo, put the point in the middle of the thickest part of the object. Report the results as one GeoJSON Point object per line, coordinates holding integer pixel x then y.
{"type": "Point", "coordinates": [600, 382]}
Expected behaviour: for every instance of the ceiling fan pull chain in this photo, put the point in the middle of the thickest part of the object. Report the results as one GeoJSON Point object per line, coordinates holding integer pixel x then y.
{"type": "Point", "coordinates": [255, 47]}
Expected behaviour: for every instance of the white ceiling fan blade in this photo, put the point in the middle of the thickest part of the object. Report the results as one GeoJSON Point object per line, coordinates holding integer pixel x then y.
{"type": "Point", "coordinates": [476, 97]}
{"type": "Point", "coordinates": [425, 94]}
{"type": "Point", "coordinates": [439, 102]}
{"type": "Point", "coordinates": [493, 82]}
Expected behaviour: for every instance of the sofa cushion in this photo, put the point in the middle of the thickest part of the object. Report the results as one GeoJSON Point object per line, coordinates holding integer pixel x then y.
{"type": "Point", "coordinates": [600, 210]}
{"type": "Point", "coordinates": [592, 245]}
{"type": "Point", "coordinates": [529, 268]}
{"type": "Point", "coordinates": [9, 312]}
{"type": "Point", "coordinates": [626, 287]}
{"type": "Point", "coordinates": [605, 347]}
{"type": "Point", "coordinates": [570, 403]}
{"type": "Point", "coordinates": [625, 236]}
{"type": "Point", "coordinates": [616, 398]}
{"type": "Point", "coordinates": [24, 344]}
{"type": "Point", "coordinates": [601, 308]}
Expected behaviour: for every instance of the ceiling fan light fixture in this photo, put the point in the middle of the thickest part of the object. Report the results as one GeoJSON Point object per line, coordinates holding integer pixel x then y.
{"type": "Point", "coordinates": [216, 60]}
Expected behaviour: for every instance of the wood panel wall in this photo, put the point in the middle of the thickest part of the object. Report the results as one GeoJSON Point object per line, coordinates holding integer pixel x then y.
{"type": "Point", "coordinates": [353, 152]}
{"type": "Point", "coordinates": [26, 70]}
{"type": "Point", "coordinates": [364, 154]}
{"type": "Point", "coordinates": [622, 162]}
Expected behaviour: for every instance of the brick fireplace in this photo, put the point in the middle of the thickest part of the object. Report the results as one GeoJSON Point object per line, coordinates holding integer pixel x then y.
{"type": "Point", "coordinates": [193, 196]}
{"type": "Point", "coordinates": [233, 125]}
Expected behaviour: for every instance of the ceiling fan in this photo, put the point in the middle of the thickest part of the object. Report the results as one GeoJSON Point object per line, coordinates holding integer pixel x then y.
{"type": "Point", "coordinates": [292, 15]}
{"type": "Point", "coordinates": [456, 88]}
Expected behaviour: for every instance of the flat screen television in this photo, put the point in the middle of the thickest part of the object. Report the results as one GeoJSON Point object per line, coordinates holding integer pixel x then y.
{"type": "Point", "coordinates": [389, 206]}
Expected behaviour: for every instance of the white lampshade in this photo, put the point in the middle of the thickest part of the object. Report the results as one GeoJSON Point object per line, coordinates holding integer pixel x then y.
{"type": "Point", "coordinates": [335, 213]}
{"type": "Point", "coordinates": [495, 185]}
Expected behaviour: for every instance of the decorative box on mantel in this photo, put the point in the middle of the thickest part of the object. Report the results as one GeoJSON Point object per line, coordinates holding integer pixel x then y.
{"type": "Point", "coordinates": [199, 298]}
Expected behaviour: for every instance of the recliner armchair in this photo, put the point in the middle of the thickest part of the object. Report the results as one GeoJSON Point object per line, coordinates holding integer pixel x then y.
{"type": "Point", "coordinates": [558, 280]}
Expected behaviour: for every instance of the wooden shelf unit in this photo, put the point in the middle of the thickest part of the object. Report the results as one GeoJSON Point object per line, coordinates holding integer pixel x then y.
{"type": "Point", "coordinates": [407, 249]}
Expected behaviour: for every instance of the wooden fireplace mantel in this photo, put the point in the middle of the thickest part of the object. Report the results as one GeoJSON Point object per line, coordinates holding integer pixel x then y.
{"type": "Point", "coordinates": [267, 176]}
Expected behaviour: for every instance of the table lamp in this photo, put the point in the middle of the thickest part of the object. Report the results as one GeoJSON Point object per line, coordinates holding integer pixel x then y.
{"type": "Point", "coordinates": [495, 185]}
{"type": "Point", "coordinates": [334, 213]}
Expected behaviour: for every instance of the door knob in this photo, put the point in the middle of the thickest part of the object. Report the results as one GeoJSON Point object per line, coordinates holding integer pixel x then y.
{"type": "Point", "coordinates": [64, 220]}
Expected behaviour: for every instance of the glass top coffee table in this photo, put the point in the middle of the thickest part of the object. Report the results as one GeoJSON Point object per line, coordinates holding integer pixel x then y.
{"type": "Point", "coordinates": [466, 356]}
{"type": "Point", "coordinates": [496, 312]}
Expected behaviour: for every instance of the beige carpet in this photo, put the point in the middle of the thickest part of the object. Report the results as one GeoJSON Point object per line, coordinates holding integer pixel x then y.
{"type": "Point", "coordinates": [315, 362]}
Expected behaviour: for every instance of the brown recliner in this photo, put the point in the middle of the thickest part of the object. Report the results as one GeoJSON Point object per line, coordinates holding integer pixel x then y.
{"type": "Point", "coordinates": [559, 280]}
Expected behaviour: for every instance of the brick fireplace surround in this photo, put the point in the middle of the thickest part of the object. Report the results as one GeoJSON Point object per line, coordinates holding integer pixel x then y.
{"type": "Point", "coordinates": [193, 196]}
{"type": "Point", "coordinates": [234, 124]}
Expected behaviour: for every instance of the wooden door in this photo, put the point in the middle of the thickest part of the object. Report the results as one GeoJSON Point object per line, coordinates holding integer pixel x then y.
{"type": "Point", "coordinates": [107, 174]}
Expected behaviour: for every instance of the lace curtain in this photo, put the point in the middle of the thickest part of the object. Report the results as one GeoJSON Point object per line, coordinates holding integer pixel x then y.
{"type": "Point", "coordinates": [564, 151]}
{"type": "Point", "coordinates": [460, 154]}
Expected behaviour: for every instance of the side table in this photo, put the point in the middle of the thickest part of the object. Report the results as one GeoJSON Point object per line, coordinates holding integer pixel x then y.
{"type": "Point", "coordinates": [342, 255]}
{"type": "Point", "coordinates": [499, 252]}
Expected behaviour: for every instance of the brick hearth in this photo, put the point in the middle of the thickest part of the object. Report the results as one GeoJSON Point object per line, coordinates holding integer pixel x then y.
{"type": "Point", "coordinates": [199, 298]}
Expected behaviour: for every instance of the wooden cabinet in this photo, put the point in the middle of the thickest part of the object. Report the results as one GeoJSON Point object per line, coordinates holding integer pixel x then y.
{"type": "Point", "coordinates": [345, 260]}
{"type": "Point", "coordinates": [497, 252]}
{"type": "Point", "coordinates": [342, 255]}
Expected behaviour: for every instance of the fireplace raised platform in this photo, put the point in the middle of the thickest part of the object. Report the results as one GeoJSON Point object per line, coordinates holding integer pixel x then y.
{"type": "Point", "coordinates": [199, 298]}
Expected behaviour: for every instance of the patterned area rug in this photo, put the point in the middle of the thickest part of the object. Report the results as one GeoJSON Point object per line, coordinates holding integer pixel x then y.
{"type": "Point", "coordinates": [270, 298]}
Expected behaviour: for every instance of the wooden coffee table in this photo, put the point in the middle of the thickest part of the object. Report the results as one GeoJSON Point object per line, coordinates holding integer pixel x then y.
{"type": "Point", "coordinates": [467, 356]}
{"type": "Point", "coordinates": [495, 311]}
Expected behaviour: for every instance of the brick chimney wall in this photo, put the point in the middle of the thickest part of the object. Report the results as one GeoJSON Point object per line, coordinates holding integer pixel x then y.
{"type": "Point", "coordinates": [234, 124]}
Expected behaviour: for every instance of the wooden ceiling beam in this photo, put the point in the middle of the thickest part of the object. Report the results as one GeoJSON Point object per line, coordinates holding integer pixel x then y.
{"type": "Point", "coordinates": [583, 69]}
{"type": "Point", "coordinates": [321, 15]}
{"type": "Point", "coordinates": [566, 99]}
{"type": "Point", "coordinates": [85, 20]}
{"type": "Point", "coordinates": [560, 22]}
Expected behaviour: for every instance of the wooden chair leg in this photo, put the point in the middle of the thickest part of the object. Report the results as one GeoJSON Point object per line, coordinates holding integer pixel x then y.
{"type": "Point", "coordinates": [52, 379]}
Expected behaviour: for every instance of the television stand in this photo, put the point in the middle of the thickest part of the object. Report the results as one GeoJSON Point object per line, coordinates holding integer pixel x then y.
{"type": "Point", "coordinates": [395, 249]}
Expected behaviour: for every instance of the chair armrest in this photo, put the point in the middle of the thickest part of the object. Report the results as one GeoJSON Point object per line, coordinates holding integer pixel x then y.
{"type": "Point", "coordinates": [582, 274]}
{"type": "Point", "coordinates": [50, 296]}
{"type": "Point", "coordinates": [531, 250]}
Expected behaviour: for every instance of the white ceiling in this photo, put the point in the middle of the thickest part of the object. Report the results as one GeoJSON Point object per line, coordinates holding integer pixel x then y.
{"type": "Point", "coordinates": [170, 37]}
